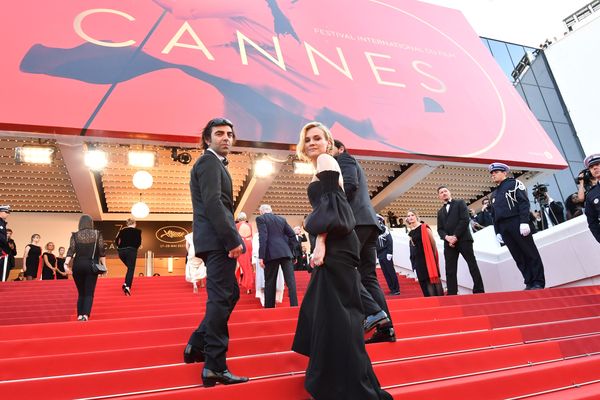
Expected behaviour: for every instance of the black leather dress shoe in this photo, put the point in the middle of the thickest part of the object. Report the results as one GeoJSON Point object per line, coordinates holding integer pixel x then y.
{"type": "Point", "coordinates": [211, 378]}
{"type": "Point", "coordinates": [192, 354]}
{"type": "Point", "coordinates": [383, 335]}
{"type": "Point", "coordinates": [374, 320]}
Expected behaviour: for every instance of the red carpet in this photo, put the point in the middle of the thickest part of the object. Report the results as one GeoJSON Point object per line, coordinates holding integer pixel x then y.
{"type": "Point", "coordinates": [530, 344]}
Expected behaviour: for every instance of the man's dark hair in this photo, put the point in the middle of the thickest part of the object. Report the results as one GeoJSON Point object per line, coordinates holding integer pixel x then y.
{"type": "Point", "coordinates": [442, 187]}
{"type": "Point", "coordinates": [206, 132]}
{"type": "Point", "coordinates": [338, 144]}
{"type": "Point", "coordinates": [86, 222]}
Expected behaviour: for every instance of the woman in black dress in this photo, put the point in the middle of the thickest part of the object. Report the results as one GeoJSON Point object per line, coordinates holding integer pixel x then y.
{"type": "Point", "coordinates": [31, 258]}
{"type": "Point", "coordinates": [424, 256]}
{"type": "Point", "coordinates": [86, 245]}
{"type": "Point", "coordinates": [48, 262]}
{"type": "Point", "coordinates": [60, 264]}
{"type": "Point", "coordinates": [330, 322]}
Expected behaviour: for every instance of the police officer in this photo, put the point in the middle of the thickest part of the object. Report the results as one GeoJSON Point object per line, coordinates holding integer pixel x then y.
{"type": "Point", "coordinates": [510, 211]}
{"type": "Point", "coordinates": [4, 247]}
{"type": "Point", "coordinates": [592, 198]}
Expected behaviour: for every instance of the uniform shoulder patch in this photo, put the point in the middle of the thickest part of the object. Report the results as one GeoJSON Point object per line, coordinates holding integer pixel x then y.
{"type": "Point", "coordinates": [519, 185]}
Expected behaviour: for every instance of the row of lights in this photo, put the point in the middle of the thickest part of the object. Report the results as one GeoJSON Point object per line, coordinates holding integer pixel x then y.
{"type": "Point", "coordinates": [96, 159]}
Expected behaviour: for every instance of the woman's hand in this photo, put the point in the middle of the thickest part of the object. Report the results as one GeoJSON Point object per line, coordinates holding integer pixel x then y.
{"type": "Point", "coordinates": [318, 256]}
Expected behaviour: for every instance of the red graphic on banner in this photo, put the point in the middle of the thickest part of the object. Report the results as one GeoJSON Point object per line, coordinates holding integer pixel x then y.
{"type": "Point", "coordinates": [390, 77]}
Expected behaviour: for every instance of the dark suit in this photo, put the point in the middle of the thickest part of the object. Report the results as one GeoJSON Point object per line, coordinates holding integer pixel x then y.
{"type": "Point", "coordinates": [296, 245]}
{"type": "Point", "coordinates": [215, 235]}
{"type": "Point", "coordinates": [274, 237]}
{"type": "Point", "coordinates": [367, 230]}
{"type": "Point", "coordinates": [455, 222]}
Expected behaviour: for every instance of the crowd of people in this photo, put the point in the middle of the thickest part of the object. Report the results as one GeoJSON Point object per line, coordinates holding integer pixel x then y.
{"type": "Point", "coordinates": [344, 300]}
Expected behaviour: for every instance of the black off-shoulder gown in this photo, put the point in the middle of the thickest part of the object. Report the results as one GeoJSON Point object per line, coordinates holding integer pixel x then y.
{"type": "Point", "coordinates": [330, 322]}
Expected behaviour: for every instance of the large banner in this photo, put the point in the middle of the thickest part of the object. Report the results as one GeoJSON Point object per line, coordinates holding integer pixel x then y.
{"type": "Point", "coordinates": [164, 239]}
{"type": "Point", "coordinates": [393, 77]}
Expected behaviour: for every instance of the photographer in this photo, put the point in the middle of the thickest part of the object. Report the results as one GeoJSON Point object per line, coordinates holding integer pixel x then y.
{"type": "Point", "coordinates": [551, 212]}
{"type": "Point", "coordinates": [592, 199]}
{"type": "Point", "coordinates": [484, 217]}
{"type": "Point", "coordinates": [584, 181]}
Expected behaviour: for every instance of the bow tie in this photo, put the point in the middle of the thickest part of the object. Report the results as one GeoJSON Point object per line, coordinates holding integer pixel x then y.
{"type": "Point", "coordinates": [225, 162]}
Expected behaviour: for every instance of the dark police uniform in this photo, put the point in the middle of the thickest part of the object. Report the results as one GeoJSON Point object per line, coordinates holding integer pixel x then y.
{"type": "Point", "coordinates": [5, 250]}
{"type": "Point", "coordinates": [592, 199]}
{"type": "Point", "coordinates": [510, 208]}
{"type": "Point", "coordinates": [592, 210]}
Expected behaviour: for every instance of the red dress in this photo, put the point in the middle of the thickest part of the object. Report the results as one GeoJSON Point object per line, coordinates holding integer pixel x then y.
{"type": "Point", "coordinates": [245, 260]}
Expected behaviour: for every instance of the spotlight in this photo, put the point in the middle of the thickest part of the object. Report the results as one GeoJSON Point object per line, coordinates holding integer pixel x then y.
{"type": "Point", "coordinates": [34, 154]}
{"type": "Point", "coordinates": [303, 168]}
{"type": "Point", "coordinates": [263, 168]}
{"type": "Point", "coordinates": [95, 159]}
{"type": "Point", "coordinates": [183, 157]}
{"type": "Point", "coordinates": [141, 158]}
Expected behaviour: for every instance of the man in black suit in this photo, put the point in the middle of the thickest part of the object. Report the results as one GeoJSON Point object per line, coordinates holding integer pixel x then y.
{"type": "Point", "coordinates": [297, 252]}
{"type": "Point", "coordinates": [367, 230]}
{"type": "Point", "coordinates": [274, 237]}
{"type": "Point", "coordinates": [218, 243]}
{"type": "Point", "coordinates": [453, 227]}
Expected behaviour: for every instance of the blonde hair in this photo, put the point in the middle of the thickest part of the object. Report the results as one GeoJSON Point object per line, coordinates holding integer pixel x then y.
{"type": "Point", "coordinates": [414, 212]}
{"type": "Point", "coordinates": [300, 146]}
{"type": "Point", "coordinates": [242, 216]}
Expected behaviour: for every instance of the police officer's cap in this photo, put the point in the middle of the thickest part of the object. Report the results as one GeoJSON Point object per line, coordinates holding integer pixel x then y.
{"type": "Point", "coordinates": [5, 208]}
{"type": "Point", "coordinates": [591, 160]}
{"type": "Point", "coordinates": [498, 166]}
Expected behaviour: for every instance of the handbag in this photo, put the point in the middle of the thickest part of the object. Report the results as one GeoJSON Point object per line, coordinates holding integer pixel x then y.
{"type": "Point", "coordinates": [97, 267]}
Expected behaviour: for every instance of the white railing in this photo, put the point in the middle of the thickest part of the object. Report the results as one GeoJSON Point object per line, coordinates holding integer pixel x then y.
{"type": "Point", "coordinates": [570, 254]}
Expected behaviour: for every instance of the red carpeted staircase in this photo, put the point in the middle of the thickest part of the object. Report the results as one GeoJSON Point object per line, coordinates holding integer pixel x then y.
{"type": "Point", "coordinates": [543, 344]}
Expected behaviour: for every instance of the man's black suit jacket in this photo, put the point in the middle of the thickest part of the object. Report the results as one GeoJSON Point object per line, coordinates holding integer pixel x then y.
{"type": "Point", "coordinates": [454, 222]}
{"type": "Point", "coordinates": [296, 244]}
{"type": "Point", "coordinates": [274, 237]}
{"type": "Point", "coordinates": [357, 190]}
{"type": "Point", "coordinates": [212, 202]}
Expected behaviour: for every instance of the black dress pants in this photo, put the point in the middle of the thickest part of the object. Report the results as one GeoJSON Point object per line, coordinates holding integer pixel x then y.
{"type": "Point", "coordinates": [223, 293]}
{"type": "Point", "coordinates": [389, 272]}
{"type": "Point", "coordinates": [464, 248]}
{"type": "Point", "coordinates": [85, 281]}
{"type": "Point", "coordinates": [371, 295]}
{"type": "Point", "coordinates": [524, 252]}
{"type": "Point", "coordinates": [271, 270]}
{"type": "Point", "coordinates": [128, 256]}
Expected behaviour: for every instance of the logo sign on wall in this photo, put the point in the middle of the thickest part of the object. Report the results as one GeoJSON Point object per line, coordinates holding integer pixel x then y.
{"type": "Point", "coordinates": [390, 77]}
{"type": "Point", "coordinates": [164, 239]}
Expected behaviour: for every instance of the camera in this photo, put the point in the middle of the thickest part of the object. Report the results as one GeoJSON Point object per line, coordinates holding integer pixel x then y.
{"type": "Point", "coordinates": [586, 176]}
{"type": "Point", "coordinates": [539, 192]}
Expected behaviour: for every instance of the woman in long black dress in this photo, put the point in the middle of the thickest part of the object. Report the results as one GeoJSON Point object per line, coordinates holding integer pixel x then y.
{"type": "Point", "coordinates": [330, 322]}
{"type": "Point", "coordinates": [60, 264]}
{"type": "Point", "coordinates": [424, 256]}
{"type": "Point", "coordinates": [31, 258]}
{"type": "Point", "coordinates": [48, 262]}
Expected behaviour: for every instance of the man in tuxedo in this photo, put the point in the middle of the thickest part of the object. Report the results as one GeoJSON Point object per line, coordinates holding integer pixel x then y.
{"type": "Point", "coordinates": [297, 251]}
{"type": "Point", "coordinates": [218, 243]}
{"type": "Point", "coordinates": [274, 238]}
{"type": "Point", "coordinates": [367, 229]}
{"type": "Point", "coordinates": [453, 227]}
